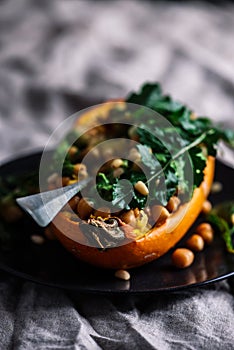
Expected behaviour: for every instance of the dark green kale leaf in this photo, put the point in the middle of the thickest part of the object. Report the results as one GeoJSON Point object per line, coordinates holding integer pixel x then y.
{"type": "Point", "coordinates": [171, 181]}
{"type": "Point", "coordinates": [186, 126]}
{"type": "Point", "coordinates": [151, 96]}
{"type": "Point", "coordinates": [68, 168]}
{"type": "Point", "coordinates": [61, 157]}
{"type": "Point", "coordinates": [147, 158]}
{"type": "Point", "coordinates": [168, 145]}
{"type": "Point", "coordinates": [103, 182]}
{"type": "Point", "coordinates": [122, 194]}
{"type": "Point", "coordinates": [180, 116]}
{"type": "Point", "coordinates": [158, 193]}
{"type": "Point", "coordinates": [12, 187]}
{"type": "Point", "coordinates": [104, 186]}
{"type": "Point", "coordinates": [198, 163]}
{"type": "Point", "coordinates": [221, 218]}
{"type": "Point", "coordinates": [138, 201]}
{"type": "Point", "coordinates": [150, 139]}
{"type": "Point", "coordinates": [214, 135]}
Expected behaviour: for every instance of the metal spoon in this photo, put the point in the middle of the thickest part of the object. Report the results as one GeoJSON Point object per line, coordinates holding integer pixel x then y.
{"type": "Point", "coordinates": [43, 207]}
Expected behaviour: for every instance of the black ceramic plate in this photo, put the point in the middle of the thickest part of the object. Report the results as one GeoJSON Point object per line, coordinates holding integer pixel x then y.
{"type": "Point", "coordinates": [50, 264]}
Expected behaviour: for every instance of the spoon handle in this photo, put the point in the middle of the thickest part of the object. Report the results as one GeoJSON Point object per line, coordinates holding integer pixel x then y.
{"type": "Point", "coordinates": [44, 206]}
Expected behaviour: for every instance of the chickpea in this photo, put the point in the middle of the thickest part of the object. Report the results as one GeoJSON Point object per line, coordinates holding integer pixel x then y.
{"type": "Point", "coordinates": [141, 188]}
{"type": "Point", "coordinates": [216, 187]}
{"type": "Point", "coordinates": [182, 257]}
{"type": "Point", "coordinates": [195, 243]}
{"type": "Point", "coordinates": [59, 182]}
{"type": "Point", "coordinates": [134, 155]}
{"type": "Point", "coordinates": [37, 239]}
{"type": "Point", "coordinates": [207, 236]}
{"type": "Point", "coordinates": [65, 180]}
{"type": "Point", "coordinates": [84, 208]}
{"type": "Point", "coordinates": [118, 172]}
{"type": "Point", "coordinates": [136, 212]}
{"type": "Point", "coordinates": [73, 151]}
{"type": "Point", "coordinates": [205, 230]}
{"type": "Point", "coordinates": [52, 178]}
{"type": "Point", "coordinates": [132, 133]}
{"type": "Point", "coordinates": [103, 212]}
{"type": "Point", "coordinates": [122, 274]}
{"type": "Point", "coordinates": [107, 153]}
{"type": "Point", "coordinates": [129, 217]}
{"type": "Point", "coordinates": [79, 167]}
{"type": "Point", "coordinates": [204, 226]}
{"type": "Point", "coordinates": [173, 204]}
{"type": "Point", "coordinates": [83, 174]}
{"type": "Point", "coordinates": [116, 163]}
{"type": "Point", "coordinates": [159, 213]}
{"type": "Point", "coordinates": [206, 207]}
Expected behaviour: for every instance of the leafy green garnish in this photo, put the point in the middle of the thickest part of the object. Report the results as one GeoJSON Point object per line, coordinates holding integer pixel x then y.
{"type": "Point", "coordinates": [61, 157]}
{"type": "Point", "coordinates": [122, 194]}
{"type": "Point", "coordinates": [105, 186]}
{"type": "Point", "coordinates": [12, 187]}
{"type": "Point", "coordinates": [198, 163]}
{"type": "Point", "coordinates": [180, 116]}
{"type": "Point", "coordinates": [163, 150]}
{"type": "Point", "coordinates": [147, 158]}
{"type": "Point", "coordinates": [191, 133]}
{"type": "Point", "coordinates": [221, 218]}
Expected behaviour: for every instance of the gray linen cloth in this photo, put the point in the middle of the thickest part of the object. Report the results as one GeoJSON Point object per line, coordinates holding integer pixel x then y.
{"type": "Point", "coordinates": [59, 56]}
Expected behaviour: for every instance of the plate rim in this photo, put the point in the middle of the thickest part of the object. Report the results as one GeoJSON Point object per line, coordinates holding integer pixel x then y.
{"type": "Point", "coordinates": [27, 277]}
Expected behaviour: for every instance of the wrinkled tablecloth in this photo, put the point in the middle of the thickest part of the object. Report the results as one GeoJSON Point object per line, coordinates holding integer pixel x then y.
{"type": "Point", "coordinates": [58, 56]}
